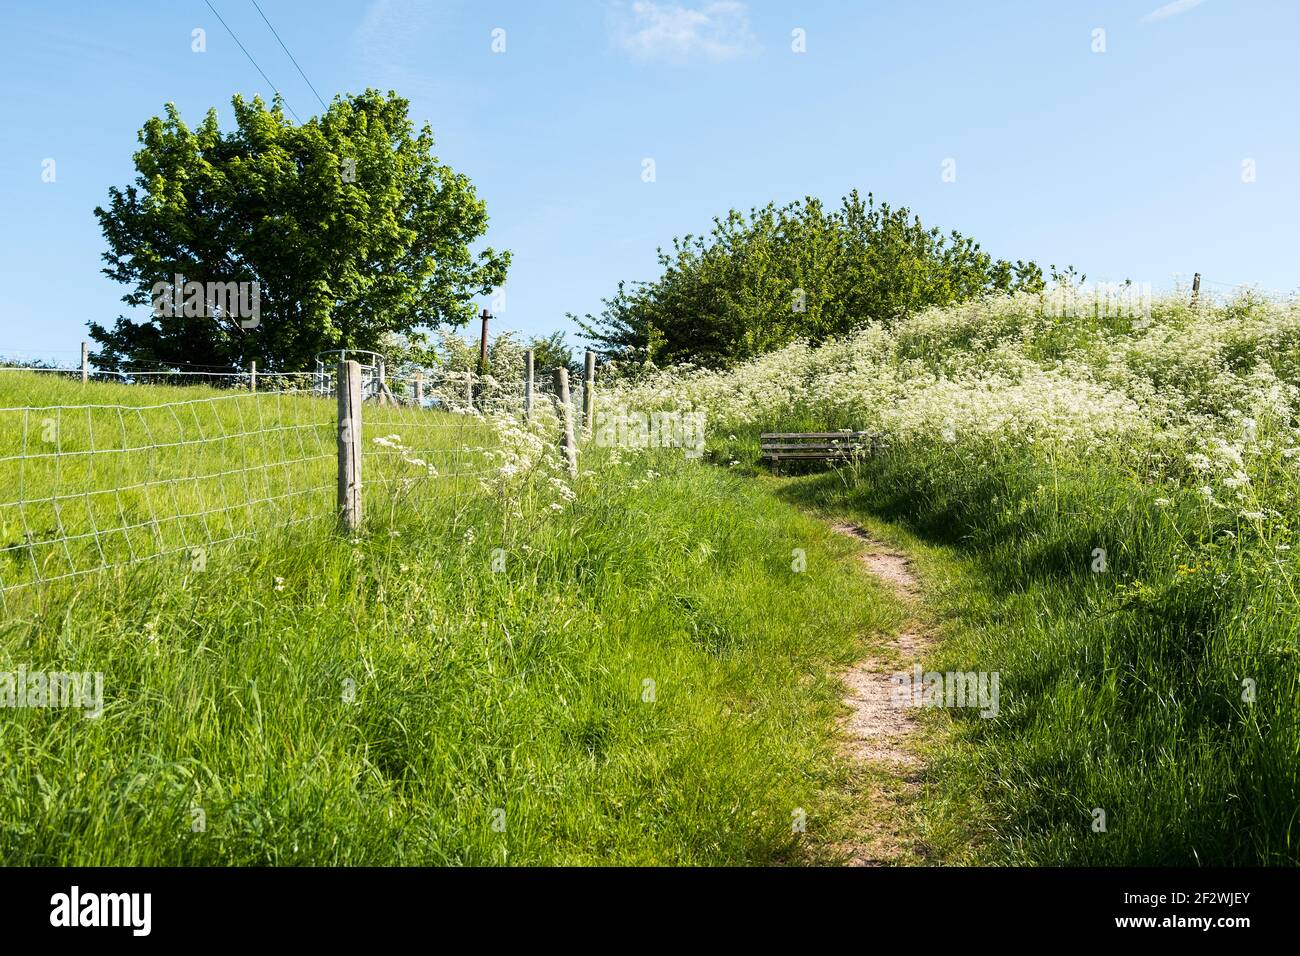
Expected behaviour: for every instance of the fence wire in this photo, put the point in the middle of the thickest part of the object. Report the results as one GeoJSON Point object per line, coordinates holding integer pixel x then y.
{"type": "Point", "coordinates": [90, 487]}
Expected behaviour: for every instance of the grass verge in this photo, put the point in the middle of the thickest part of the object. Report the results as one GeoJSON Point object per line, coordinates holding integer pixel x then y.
{"type": "Point", "coordinates": [1153, 693]}
{"type": "Point", "coordinates": [638, 677]}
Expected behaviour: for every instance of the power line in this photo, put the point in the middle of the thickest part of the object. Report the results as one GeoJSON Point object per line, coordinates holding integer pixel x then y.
{"type": "Point", "coordinates": [291, 57]}
{"type": "Point", "coordinates": [251, 60]}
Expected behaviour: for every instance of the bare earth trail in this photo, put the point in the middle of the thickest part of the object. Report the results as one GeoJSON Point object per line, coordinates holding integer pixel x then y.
{"type": "Point", "coordinates": [876, 732]}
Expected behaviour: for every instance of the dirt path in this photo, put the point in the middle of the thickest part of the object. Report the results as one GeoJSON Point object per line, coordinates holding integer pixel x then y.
{"type": "Point", "coordinates": [876, 731]}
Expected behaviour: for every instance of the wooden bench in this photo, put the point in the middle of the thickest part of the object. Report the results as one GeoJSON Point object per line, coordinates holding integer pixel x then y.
{"type": "Point", "coordinates": [777, 447]}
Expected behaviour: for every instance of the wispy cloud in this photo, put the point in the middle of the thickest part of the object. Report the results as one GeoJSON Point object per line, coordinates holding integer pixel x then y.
{"type": "Point", "coordinates": [717, 30]}
{"type": "Point", "coordinates": [392, 44]}
{"type": "Point", "coordinates": [1171, 10]}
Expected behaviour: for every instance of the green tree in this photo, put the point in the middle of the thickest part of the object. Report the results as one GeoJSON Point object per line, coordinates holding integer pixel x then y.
{"type": "Point", "coordinates": [551, 352]}
{"type": "Point", "coordinates": [758, 282]}
{"type": "Point", "coordinates": [349, 225]}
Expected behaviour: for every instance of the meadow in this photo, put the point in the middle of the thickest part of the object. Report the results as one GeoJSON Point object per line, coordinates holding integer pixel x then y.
{"type": "Point", "coordinates": [1106, 501]}
{"type": "Point", "coordinates": [511, 664]}
{"type": "Point", "coordinates": [508, 665]}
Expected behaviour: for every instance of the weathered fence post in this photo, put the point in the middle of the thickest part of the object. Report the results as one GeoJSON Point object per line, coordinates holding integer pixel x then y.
{"type": "Point", "coordinates": [349, 434]}
{"type": "Point", "coordinates": [566, 411]}
{"type": "Point", "coordinates": [85, 364]}
{"type": "Point", "coordinates": [528, 384]}
{"type": "Point", "coordinates": [252, 376]}
{"type": "Point", "coordinates": [1196, 289]}
{"type": "Point", "coordinates": [419, 390]}
{"type": "Point", "coordinates": [589, 393]}
{"type": "Point", "coordinates": [469, 391]}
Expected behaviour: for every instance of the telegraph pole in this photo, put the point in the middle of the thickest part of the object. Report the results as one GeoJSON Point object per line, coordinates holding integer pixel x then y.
{"type": "Point", "coordinates": [482, 344]}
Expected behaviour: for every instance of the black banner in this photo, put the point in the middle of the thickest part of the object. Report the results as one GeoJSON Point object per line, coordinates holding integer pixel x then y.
{"type": "Point", "coordinates": [334, 906]}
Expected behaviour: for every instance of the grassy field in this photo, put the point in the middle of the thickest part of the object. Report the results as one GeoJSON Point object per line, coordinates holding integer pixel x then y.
{"type": "Point", "coordinates": [107, 474]}
{"type": "Point", "coordinates": [1108, 504]}
{"type": "Point", "coordinates": [510, 668]}
{"type": "Point", "coordinates": [514, 666]}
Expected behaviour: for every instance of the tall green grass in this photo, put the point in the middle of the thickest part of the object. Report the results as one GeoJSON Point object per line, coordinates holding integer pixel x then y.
{"type": "Point", "coordinates": [638, 677]}
{"type": "Point", "coordinates": [1017, 444]}
{"type": "Point", "coordinates": [1163, 690]}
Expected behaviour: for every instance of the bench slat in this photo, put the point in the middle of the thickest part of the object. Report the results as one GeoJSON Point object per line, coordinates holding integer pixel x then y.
{"type": "Point", "coordinates": [766, 435]}
{"type": "Point", "coordinates": [813, 446]}
{"type": "Point", "coordinates": [823, 455]}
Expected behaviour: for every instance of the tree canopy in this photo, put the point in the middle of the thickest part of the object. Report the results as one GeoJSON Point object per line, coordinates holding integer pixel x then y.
{"type": "Point", "coordinates": [758, 282]}
{"type": "Point", "coordinates": [348, 224]}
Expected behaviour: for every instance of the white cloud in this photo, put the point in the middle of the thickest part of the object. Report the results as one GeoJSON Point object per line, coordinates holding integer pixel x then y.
{"type": "Point", "coordinates": [1171, 10]}
{"type": "Point", "coordinates": [717, 30]}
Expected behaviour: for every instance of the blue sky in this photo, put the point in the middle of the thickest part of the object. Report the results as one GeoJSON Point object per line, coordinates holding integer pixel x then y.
{"type": "Point", "coordinates": [1127, 163]}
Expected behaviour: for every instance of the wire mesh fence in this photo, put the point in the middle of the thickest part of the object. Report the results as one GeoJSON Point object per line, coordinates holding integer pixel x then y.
{"type": "Point", "coordinates": [438, 388]}
{"type": "Point", "coordinates": [246, 381]}
{"type": "Point", "coordinates": [94, 486]}
{"type": "Point", "coordinates": [86, 487]}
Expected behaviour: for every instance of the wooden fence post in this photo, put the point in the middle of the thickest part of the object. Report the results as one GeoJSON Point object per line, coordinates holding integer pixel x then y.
{"type": "Point", "coordinates": [85, 364]}
{"type": "Point", "coordinates": [419, 390]}
{"type": "Point", "coordinates": [252, 376]}
{"type": "Point", "coordinates": [566, 411]}
{"type": "Point", "coordinates": [469, 391]}
{"type": "Point", "coordinates": [1196, 289]}
{"type": "Point", "coordinates": [589, 393]}
{"type": "Point", "coordinates": [528, 384]}
{"type": "Point", "coordinates": [349, 435]}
